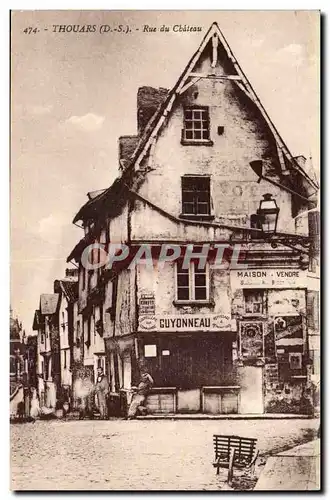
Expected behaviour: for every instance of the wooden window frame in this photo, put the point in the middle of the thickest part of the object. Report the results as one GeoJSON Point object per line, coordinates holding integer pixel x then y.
{"type": "Point", "coordinates": [194, 194]}
{"type": "Point", "coordinates": [251, 291]}
{"type": "Point", "coordinates": [196, 126]}
{"type": "Point", "coordinates": [191, 284]}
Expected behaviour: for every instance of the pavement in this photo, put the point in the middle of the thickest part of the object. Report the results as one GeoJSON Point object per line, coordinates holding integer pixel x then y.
{"type": "Point", "coordinates": [297, 469]}
{"type": "Point", "coordinates": [135, 455]}
{"type": "Point", "coordinates": [225, 416]}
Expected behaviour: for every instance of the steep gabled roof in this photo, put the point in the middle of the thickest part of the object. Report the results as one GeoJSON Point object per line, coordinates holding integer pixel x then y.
{"type": "Point", "coordinates": [240, 79]}
{"type": "Point", "coordinates": [111, 199]}
{"type": "Point", "coordinates": [93, 194]}
{"type": "Point", "coordinates": [70, 289]}
{"type": "Point", "coordinates": [36, 320]}
{"type": "Point", "coordinates": [102, 202]}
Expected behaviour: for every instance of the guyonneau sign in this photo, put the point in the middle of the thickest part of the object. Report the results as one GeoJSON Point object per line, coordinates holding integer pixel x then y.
{"type": "Point", "coordinates": [187, 323]}
{"type": "Point", "coordinates": [268, 278]}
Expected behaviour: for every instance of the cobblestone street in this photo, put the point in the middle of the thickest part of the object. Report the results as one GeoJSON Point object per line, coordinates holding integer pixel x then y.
{"type": "Point", "coordinates": [136, 455]}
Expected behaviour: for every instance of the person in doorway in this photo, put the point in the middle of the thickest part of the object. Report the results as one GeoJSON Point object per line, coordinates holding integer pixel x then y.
{"type": "Point", "coordinates": [102, 392]}
{"type": "Point", "coordinates": [140, 395]}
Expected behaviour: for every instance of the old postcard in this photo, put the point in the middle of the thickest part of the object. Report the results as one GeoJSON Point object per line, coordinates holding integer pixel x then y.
{"type": "Point", "coordinates": [164, 322]}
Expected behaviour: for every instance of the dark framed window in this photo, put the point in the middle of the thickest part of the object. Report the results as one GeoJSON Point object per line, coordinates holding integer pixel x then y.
{"type": "Point", "coordinates": [89, 279]}
{"type": "Point", "coordinates": [196, 126]}
{"type": "Point", "coordinates": [78, 334]}
{"type": "Point", "coordinates": [87, 330]}
{"type": "Point", "coordinates": [83, 276]}
{"type": "Point", "coordinates": [192, 283]}
{"type": "Point", "coordinates": [254, 302]}
{"type": "Point", "coordinates": [196, 196]}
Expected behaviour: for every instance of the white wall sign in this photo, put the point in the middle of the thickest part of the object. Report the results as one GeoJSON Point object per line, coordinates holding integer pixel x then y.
{"type": "Point", "coordinates": [187, 323]}
{"type": "Point", "coordinates": [268, 278]}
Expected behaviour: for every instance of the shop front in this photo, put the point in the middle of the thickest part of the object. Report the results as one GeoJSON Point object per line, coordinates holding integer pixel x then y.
{"type": "Point", "coordinates": [190, 358]}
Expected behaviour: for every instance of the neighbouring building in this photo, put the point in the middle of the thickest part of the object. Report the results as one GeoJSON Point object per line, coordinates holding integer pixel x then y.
{"type": "Point", "coordinates": [67, 288]}
{"type": "Point", "coordinates": [46, 323]}
{"type": "Point", "coordinates": [16, 353]}
{"type": "Point", "coordinates": [91, 311]}
{"type": "Point", "coordinates": [31, 357]}
{"type": "Point", "coordinates": [23, 366]}
{"type": "Point", "coordinates": [56, 322]}
{"type": "Point", "coordinates": [207, 167]}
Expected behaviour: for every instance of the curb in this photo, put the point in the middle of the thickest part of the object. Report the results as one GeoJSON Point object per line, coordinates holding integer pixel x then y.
{"type": "Point", "coordinates": [265, 416]}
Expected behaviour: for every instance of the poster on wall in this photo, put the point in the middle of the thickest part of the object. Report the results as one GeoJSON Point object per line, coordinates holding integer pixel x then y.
{"type": "Point", "coordinates": [288, 331]}
{"type": "Point", "coordinates": [251, 339]}
{"type": "Point", "coordinates": [269, 340]}
{"type": "Point", "coordinates": [147, 304]}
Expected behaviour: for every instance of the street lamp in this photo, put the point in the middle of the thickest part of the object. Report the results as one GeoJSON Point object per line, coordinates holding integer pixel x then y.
{"type": "Point", "coordinates": [268, 214]}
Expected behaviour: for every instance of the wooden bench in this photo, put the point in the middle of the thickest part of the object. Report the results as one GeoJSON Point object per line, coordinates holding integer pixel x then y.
{"type": "Point", "coordinates": [234, 451]}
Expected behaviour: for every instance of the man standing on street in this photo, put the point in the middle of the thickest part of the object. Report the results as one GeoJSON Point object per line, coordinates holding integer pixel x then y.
{"type": "Point", "coordinates": [102, 392]}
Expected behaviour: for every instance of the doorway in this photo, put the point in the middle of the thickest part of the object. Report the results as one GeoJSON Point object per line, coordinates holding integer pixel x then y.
{"type": "Point", "coordinates": [251, 393]}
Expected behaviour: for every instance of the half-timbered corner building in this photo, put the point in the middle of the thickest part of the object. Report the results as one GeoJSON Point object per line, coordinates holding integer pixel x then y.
{"type": "Point", "coordinates": [207, 167]}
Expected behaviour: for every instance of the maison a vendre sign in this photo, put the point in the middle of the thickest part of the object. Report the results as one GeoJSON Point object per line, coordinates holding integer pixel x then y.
{"type": "Point", "coordinates": [268, 278]}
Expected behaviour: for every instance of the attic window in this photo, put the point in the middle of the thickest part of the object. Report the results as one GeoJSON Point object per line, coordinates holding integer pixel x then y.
{"type": "Point", "coordinates": [196, 126]}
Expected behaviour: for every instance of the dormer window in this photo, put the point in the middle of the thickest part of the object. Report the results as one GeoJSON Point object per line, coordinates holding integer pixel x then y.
{"type": "Point", "coordinates": [196, 126]}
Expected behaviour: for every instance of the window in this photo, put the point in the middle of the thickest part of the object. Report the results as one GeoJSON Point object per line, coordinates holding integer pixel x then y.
{"type": "Point", "coordinates": [196, 196]}
{"type": "Point", "coordinates": [89, 279]}
{"type": "Point", "coordinates": [196, 124]}
{"type": "Point", "coordinates": [64, 360]}
{"type": "Point", "coordinates": [254, 302]}
{"type": "Point", "coordinates": [150, 351]}
{"type": "Point", "coordinates": [114, 289]}
{"type": "Point", "coordinates": [12, 365]}
{"type": "Point", "coordinates": [87, 329]}
{"type": "Point", "coordinates": [42, 337]}
{"type": "Point", "coordinates": [192, 283]}
{"type": "Point", "coordinates": [83, 276]}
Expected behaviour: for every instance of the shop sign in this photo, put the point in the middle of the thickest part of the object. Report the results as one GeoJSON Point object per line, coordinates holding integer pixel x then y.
{"type": "Point", "coordinates": [147, 304]}
{"type": "Point", "coordinates": [187, 323]}
{"type": "Point", "coordinates": [268, 278]}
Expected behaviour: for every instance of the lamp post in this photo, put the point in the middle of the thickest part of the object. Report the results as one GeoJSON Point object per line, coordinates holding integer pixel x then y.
{"type": "Point", "coordinates": [268, 214]}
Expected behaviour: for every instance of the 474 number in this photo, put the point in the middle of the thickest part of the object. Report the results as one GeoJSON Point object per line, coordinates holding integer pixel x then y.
{"type": "Point", "coordinates": [30, 30]}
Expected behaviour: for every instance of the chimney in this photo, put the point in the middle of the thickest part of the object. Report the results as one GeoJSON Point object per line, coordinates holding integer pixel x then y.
{"type": "Point", "coordinates": [126, 146]}
{"type": "Point", "coordinates": [148, 101]}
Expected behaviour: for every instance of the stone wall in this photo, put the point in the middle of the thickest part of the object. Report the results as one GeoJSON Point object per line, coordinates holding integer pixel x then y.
{"type": "Point", "coordinates": [287, 397]}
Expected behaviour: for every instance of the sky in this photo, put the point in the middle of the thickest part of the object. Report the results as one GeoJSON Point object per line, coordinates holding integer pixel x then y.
{"type": "Point", "coordinates": [74, 94]}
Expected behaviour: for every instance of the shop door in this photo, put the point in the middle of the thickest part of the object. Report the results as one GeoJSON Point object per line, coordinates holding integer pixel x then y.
{"type": "Point", "coordinates": [251, 393]}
